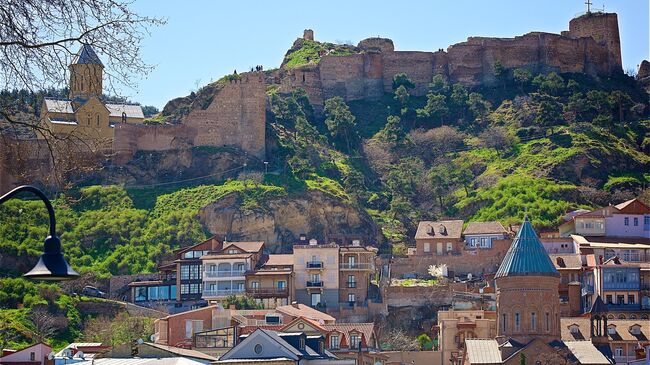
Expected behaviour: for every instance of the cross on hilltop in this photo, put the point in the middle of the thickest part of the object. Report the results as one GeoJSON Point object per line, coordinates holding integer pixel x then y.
{"type": "Point", "coordinates": [588, 3]}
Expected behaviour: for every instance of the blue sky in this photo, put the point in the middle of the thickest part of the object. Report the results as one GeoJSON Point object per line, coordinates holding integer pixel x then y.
{"type": "Point", "coordinates": [204, 40]}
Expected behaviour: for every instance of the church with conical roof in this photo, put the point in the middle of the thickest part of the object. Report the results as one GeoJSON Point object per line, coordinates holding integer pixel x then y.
{"type": "Point", "coordinates": [528, 312]}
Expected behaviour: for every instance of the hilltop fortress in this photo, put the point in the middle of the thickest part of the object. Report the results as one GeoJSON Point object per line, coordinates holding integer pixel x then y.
{"type": "Point", "coordinates": [591, 46]}
{"type": "Point", "coordinates": [233, 115]}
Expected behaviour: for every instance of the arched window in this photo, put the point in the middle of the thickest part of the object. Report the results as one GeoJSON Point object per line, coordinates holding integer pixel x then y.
{"type": "Point", "coordinates": [504, 324]}
{"type": "Point", "coordinates": [533, 321]}
{"type": "Point", "coordinates": [98, 120]}
{"type": "Point", "coordinates": [517, 322]}
{"type": "Point", "coordinates": [547, 322]}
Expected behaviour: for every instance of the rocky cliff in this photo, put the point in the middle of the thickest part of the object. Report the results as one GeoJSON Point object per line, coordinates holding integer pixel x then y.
{"type": "Point", "coordinates": [282, 220]}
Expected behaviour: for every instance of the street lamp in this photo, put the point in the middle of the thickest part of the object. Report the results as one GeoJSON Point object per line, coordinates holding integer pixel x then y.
{"type": "Point", "coordinates": [52, 265]}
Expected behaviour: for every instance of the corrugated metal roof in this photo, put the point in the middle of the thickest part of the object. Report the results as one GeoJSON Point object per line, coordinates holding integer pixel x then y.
{"type": "Point", "coordinates": [132, 111]}
{"type": "Point", "coordinates": [139, 361]}
{"type": "Point", "coordinates": [586, 352]}
{"type": "Point", "coordinates": [483, 351]}
{"type": "Point", "coordinates": [86, 56]}
{"type": "Point", "coordinates": [526, 256]}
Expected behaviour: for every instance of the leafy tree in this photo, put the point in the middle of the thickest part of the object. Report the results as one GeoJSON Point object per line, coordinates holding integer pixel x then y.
{"type": "Point", "coordinates": [436, 107]}
{"type": "Point", "coordinates": [500, 72]}
{"type": "Point", "coordinates": [440, 178]}
{"type": "Point", "coordinates": [438, 85]}
{"type": "Point", "coordinates": [622, 101]}
{"type": "Point", "coordinates": [498, 138]}
{"type": "Point", "coordinates": [478, 106]}
{"type": "Point", "coordinates": [241, 302]}
{"type": "Point", "coordinates": [425, 341]}
{"type": "Point", "coordinates": [548, 110]}
{"type": "Point", "coordinates": [401, 79]}
{"type": "Point", "coordinates": [464, 177]}
{"type": "Point", "coordinates": [459, 99]}
{"type": "Point", "coordinates": [404, 177]}
{"type": "Point", "coordinates": [401, 96]}
{"type": "Point", "coordinates": [522, 77]}
{"type": "Point", "coordinates": [392, 131]}
{"type": "Point", "coordinates": [552, 84]}
{"type": "Point", "coordinates": [340, 121]}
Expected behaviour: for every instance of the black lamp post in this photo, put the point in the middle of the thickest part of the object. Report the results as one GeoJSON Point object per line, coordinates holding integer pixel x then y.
{"type": "Point", "coordinates": [52, 265]}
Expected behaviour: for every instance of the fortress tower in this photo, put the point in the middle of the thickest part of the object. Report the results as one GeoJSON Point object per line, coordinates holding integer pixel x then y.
{"type": "Point", "coordinates": [528, 303]}
{"type": "Point", "coordinates": [86, 72]}
{"type": "Point", "coordinates": [603, 28]}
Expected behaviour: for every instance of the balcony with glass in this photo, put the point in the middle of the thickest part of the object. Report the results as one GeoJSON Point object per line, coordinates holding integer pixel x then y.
{"type": "Point", "coordinates": [212, 272]}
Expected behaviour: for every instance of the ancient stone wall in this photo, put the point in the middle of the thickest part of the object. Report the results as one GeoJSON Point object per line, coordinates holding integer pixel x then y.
{"type": "Point", "coordinates": [603, 28]}
{"type": "Point", "coordinates": [236, 118]}
{"type": "Point", "coordinates": [418, 66]}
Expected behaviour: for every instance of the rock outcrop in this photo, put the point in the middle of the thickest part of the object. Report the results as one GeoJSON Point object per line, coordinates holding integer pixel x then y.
{"type": "Point", "coordinates": [283, 220]}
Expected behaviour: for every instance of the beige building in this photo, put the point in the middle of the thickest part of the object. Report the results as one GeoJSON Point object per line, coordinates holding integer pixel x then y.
{"type": "Point", "coordinates": [272, 284]}
{"type": "Point", "coordinates": [455, 326]}
{"type": "Point", "coordinates": [84, 115]}
{"type": "Point", "coordinates": [316, 269]}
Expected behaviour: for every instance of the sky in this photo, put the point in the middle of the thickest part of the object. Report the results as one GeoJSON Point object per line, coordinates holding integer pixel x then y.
{"type": "Point", "coordinates": [204, 40]}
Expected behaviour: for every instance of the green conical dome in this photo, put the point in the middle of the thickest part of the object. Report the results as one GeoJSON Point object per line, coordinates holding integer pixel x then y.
{"type": "Point", "coordinates": [526, 256]}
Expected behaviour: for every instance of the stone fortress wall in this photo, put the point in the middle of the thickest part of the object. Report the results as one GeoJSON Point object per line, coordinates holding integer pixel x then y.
{"type": "Point", "coordinates": [591, 46]}
{"type": "Point", "coordinates": [236, 117]}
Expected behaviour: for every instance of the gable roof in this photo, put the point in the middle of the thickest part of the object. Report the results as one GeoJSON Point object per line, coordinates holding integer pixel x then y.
{"type": "Point", "coordinates": [251, 247]}
{"type": "Point", "coordinates": [304, 311]}
{"type": "Point", "coordinates": [8, 357]}
{"type": "Point", "coordinates": [484, 228]}
{"type": "Point", "coordinates": [58, 106]}
{"type": "Point", "coordinates": [622, 326]}
{"type": "Point", "coordinates": [86, 56]}
{"type": "Point", "coordinates": [586, 352]}
{"type": "Point", "coordinates": [279, 260]}
{"type": "Point", "coordinates": [290, 351]}
{"type": "Point", "coordinates": [526, 256]}
{"type": "Point", "coordinates": [600, 212]}
{"type": "Point", "coordinates": [366, 329]}
{"type": "Point", "coordinates": [181, 351]}
{"type": "Point", "coordinates": [482, 351]}
{"type": "Point", "coordinates": [314, 324]}
{"type": "Point", "coordinates": [429, 229]}
{"type": "Point", "coordinates": [566, 261]}
{"type": "Point", "coordinates": [633, 206]}
{"type": "Point", "coordinates": [131, 110]}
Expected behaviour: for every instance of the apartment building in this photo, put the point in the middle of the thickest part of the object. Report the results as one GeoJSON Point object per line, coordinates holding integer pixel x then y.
{"type": "Point", "coordinates": [224, 271]}
{"type": "Point", "coordinates": [627, 219]}
{"type": "Point", "coordinates": [316, 270]}
{"type": "Point", "coordinates": [454, 326]}
{"type": "Point", "coordinates": [272, 284]}
{"type": "Point", "coordinates": [356, 267]}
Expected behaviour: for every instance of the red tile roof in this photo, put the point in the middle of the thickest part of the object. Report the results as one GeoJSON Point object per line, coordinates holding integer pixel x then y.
{"type": "Point", "coordinates": [428, 229]}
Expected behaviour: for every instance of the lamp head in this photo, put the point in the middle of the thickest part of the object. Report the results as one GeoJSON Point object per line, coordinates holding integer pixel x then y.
{"type": "Point", "coordinates": [52, 265]}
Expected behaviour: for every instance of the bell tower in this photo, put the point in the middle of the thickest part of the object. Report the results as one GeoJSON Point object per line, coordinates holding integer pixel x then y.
{"type": "Point", "coordinates": [86, 72]}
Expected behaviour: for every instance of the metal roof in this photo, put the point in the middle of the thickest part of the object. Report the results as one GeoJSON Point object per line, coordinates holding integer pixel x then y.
{"type": "Point", "coordinates": [58, 106]}
{"type": "Point", "coordinates": [526, 256]}
{"type": "Point", "coordinates": [132, 111]}
{"type": "Point", "coordinates": [483, 351]}
{"type": "Point", "coordinates": [141, 361]}
{"type": "Point", "coordinates": [86, 56]}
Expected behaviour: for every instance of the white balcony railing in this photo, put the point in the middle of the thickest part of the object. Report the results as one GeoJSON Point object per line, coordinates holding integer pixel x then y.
{"type": "Point", "coordinates": [223, 273]}
{"type": "Point", "coordinates": [222, 292]}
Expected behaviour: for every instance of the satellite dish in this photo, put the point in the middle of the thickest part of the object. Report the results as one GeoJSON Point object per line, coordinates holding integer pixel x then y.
{"type": "Point", "coordinates": [140, 341]}
{"type": "Point", "coordinates": [50, 356]}
{"type": "Point", "coordinates": [79, 355]}
{"type": "Point", "coordinates": [152, 338]}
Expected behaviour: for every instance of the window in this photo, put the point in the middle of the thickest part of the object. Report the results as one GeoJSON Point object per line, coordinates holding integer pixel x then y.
{"type": "Point", "coordinates": [351, 298]}
{"type": "Point", "coordinates": [635, 330]}
{"type": "Point", "coordinates": [574, 329]}
{"type": "Point", "coordinates": [352, 282]}
{"type": "Point", "coordinates": [32, 356]}
{"type": "Point", "coordinates": [611, 330]}
{"type": "Point", "coordinates": [626, 221]}
{"type": "Point", "coordinates": [620, 299]}
{"type": "Point", "coordinates": [608, 299]}
{"type": "Point", "coordinates": [98, 124]}
{"type": "Point", "coordinates": [258, 349]}
{"type": "Point", "coordinates": [646, 222]}
{"type": "Point", "coordinates": [450, 247]}
{"type": "Point", "coordinates": [315, 278]}
{"type": "Point", "coordinates": [589, 225]}
{"type": "Point", "coordinates": [282, 284]}
{"type": "Point", "coordinates": [185, 288]}
{"type": "Point", "coordinates": [618, 351]}
{"type": "Point", "coordinates": [140, 293]}
{"type": "Point", "coordinates": [302, 343]}
{"type": "Point", "coordinates": [517, 323]}
{"type": "Point", "coordinates": [185, 272]}
{"type": "Point", "coordinates": [533, 321]}
{"type": "Point", "coordinates": [352, 260]}
{"type": "Point", "coordinates": [427, 247]}
{"type": "Point", "coordinates": [192, 327]}
{"type": "Point", "coordinates": [630, 299]}
{"type": "Point", "coordinates": [547, 322]}
{"type": "Point", "coordinates": [255, 284]}
{"type": "Point", "coordinates": [636, 221]}
{"type": "Point", "coordinates": [355, 341]}
{"type": "Point", "coordinates": [315, 299]}
{"type": "Point", "coordinates": [334, 342]}
{"type": "Point", "coordinates": [483, 242]}
{"type": "Point", "coordinates": [194, 289]}
{"type": "Point", "coordinates": [503, 322]}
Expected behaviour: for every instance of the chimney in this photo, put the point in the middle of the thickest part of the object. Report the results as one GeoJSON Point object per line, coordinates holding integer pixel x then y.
{"type": "Point", "coordinates": [356, 243]}
{"type": "Point", "coordinates": [232, 307]}
{"type": "Point", "coordinates": [295, 304]}
{"type": "Point", "coordinates": [313, 242]}
{"type": "Point", "coordinates": [303, 237]}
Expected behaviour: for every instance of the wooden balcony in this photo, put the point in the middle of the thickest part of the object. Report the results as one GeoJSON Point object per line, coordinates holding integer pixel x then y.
{"type": "Point", "coordinates": [268, 292]}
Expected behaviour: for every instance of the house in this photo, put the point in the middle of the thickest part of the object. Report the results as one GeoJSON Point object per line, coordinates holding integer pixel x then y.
{"type": "Point", "coordinates": [224, 270]}
{"type": "Point", "coordinates": [316, 268]}
{"type": "Point", "coordinates": [619, 284]}
{"type": "Point", "coordinates": [481, 234]}
{"type": "Point", "coordinates": [628, 219]}
{"type": "Point", "coordinates": [455, 326]}
{"type": "Point", "coordinates": [272, 284]}
{"type": "Point", "coordinates": [439, 238]}
{"type": "Point", "coordinates": [85, 114]}
{"type": "Point", "coordinates": [277, 348]}
{"type": "Point", "coordinates": [356, 267]}
{"type": "Point", "coordinates": [179, 284]}
{"type": "Point", "coordinates": [570, 268]}
{"type": "Point", "coordinates": [37, 354]}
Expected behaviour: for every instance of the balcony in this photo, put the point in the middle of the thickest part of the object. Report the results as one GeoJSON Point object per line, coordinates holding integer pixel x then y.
{"type": "Point", "coordinates": [587, 289]}
{"type": "Point", "coordinates": [624, 307]}
{"type": "Point", "coordinates": [268, 292]}
{"type": "Point", "coordinates": [222, 292]}
{"type": "Point", "coordinates": [314, 284]}
{"type": "Point", "coordinates": [356, 266]}
{"type": "Point", "coordinates": [223, 274]}
{"type": "Point", "coordinates": [314, 264]}
{"type": "Point", "coordinates": [624, 286]}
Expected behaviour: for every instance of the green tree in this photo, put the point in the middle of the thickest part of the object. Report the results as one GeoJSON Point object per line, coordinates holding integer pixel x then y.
{"type": "Point", "coordinates": [622, 101]}
{"type": "Point", "coordinates": [401, 96]}
{"type": "Point", "coordinates": [522, 77]}
{"type": "Point", "coordinates": [548, 110]}
{"type": "Point", "coordinates": [401, 79]}
{"type": "Point", "coordinates": [459, 98]}
{"type": "Point", "coordinates": [522, 359]}
{"type": "Point", "coordinates": [500, 72]}
{"type": "Point", "coordinates": [551, 84]}
{"type": "Point", "coordinates": [425, 341]}
{"type": "Point", "coordinates": [392, 131]}
{"type": "Point", "coordinates": [464, 177]}
{"type": "Point", "coordinates": [440, 179]}
{"type": "Point", "coordinates": [241, 302]}
{"type": "Point", "coordinates": [478, 106]}
{"type": "Point", "coordinates": [436, 107]}
{"type": "Point", "coordinates": [439, 85]}
{"type": "Point", "coordinates": [340, 121]}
